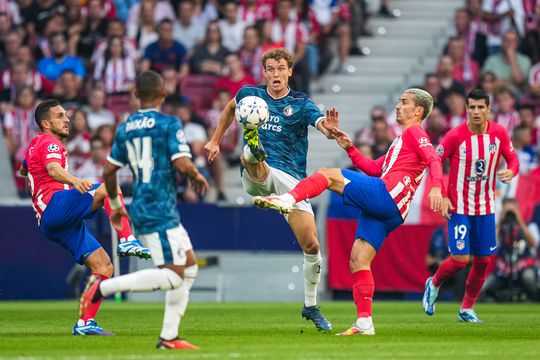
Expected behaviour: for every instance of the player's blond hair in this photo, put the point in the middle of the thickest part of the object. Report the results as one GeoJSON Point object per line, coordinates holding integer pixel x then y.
{"type": "Point", "coordinates": [278, 54]}
{"type": "Point", "coordinates": [423, 99]}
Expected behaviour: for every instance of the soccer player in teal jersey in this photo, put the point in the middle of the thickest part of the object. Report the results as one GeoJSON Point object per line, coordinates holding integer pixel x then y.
{"type": "Point", "coordinates": [154, 147]}
{"type": "Point", "coordinates": [278, 167]}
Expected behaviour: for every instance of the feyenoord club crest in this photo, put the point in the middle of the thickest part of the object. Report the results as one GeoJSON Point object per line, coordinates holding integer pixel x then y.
{"type": "Point", "coordinates": [288, 110]}
{"type": "Point", "coordinates": [460, 244]}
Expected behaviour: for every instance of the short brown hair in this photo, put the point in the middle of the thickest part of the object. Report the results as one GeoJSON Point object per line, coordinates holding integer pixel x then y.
{"type": "Point", "coordinates": [278, 54]}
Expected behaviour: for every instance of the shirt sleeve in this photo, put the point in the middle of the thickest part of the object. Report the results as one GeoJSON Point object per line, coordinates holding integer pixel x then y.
{"type": "Point", "coordinates": [508, 152]}
{"type": "Point", "coordinates": [312, 114]}
{"type": "Point", "coordinates": [177, 146]}
{"type": "Point", "coordinates": [118, 155]}
{"type": "Point", "coordinates": [423, 147]}
{"type": "Point", "coordinates": [242, 93]}
{"type": "Point", "coordinates": [52, 151]}
{"type": "Point", "coordinates": [368, 166]}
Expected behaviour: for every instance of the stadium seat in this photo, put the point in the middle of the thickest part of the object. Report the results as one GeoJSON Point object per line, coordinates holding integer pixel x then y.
{"type": "Point", "coordinates": [118, 104]}
{"type": "Point", "coordinates": [199, 89]}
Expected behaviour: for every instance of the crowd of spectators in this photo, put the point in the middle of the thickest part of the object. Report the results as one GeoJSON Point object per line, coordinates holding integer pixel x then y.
{"type": "Point", "coordinates": [87, 54]}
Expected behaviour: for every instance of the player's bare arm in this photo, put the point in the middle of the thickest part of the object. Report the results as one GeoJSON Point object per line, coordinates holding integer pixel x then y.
{"type": "Point", "coordinates": [184, 166]}
{"type": "Point", "coordinates": [227, 117]}
{"type": "Point", "coordinates": [59, 174]}
{"type": "Point", "coordinates": [117, 210]}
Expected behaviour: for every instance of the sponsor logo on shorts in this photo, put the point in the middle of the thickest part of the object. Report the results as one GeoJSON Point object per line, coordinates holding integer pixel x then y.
{"type": "Point", "coordinates": [460, 244]}
{"type": "Point", "coordinates": [491, 248]}
{"type": "Point", "coordinates": [53, 148]}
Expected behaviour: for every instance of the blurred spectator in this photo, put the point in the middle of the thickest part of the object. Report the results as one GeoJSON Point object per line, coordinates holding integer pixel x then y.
{"type": "Point", "coordinates": [527, 119]}
{"type": "Point", "coordinates": [68, 90]}
{"type": "Point", "coordinates": [116, 27]}
{"type": "Point", "coordinates": [251, 11]}
{"type": "Point", "coordinates": [41, 12]}
{"type": "Point", "coordinates": [75, 17]}
{"type": "Point", "coordinates": [382, 138]}
{"type": "Point", "coordinates": [12, 41]}
{"type": "Point", "coordinates": [251, 53]}
{"type": "Point", "coordinates": [487, 83]}
{"type": "Point", "coordinates": [505, 109]}
{"type": "Point", "coordinates": [96, 110]}
{"type": "Point", "coordinates": [205, 11]}
{"type": "Point", "coordinates": [52, 67]}
{"type": "Point", "coordinates": [436, 125]}
{"type": "Point", "coordinates": [165, 52]}
{"type": "Point", "coordinates": [455, 102]}
{"type": "Point", "coordinates": [209, 56]}
{"type": "Point", "coordinates": [158, 9]}
{"type": "Point", "coordinates": [106, 133]}
{"type": "Point", "coordinates": [186, 30]}
{"type": "Point", "coordinates": [115, 71]}
{"type": "Point", "coordinates": [11, 8]}
{"type": "Point", "coordinates": [532, 35]}
{"type": "Point", "coordinates": [92, 167]}
{"type": "Point", "coordinates": [365, 135]}
{"type": "Point", "coordinates": [171, 82]}
{"type": "Point", "coordinates": [498, 16]}
{"type": "Point", "coordinates": [521, 140]}
{"type": "Point", "coordinates": [445, 72]}
{"type": "Point", "coordinates": [466, 70]}
{"type": "Point", "coordinates": [231, 27]}
{"type": "Point", "coordinates": [95, 29]}
{"type": "Point", "coordinates": [515, 268]}
{"type": "Point", "coordinates": [469, 28]}
{"type": "Point", "coordinates": [228, 144]}
{"type": "Point", "coordinates": [20, 74]}
{"type": "Point", "coordinates": [235, 78]}
{"type": "Point", "coordinates": [509, 66]}
{"type": "Point", "coordinates": [78, 142]}
{"type": "Point", "coordinates": [143, 30]}
{"type": "Point", "coordinates": [534, 81]}
{"type": "Point", "coordinates": [432, 85]}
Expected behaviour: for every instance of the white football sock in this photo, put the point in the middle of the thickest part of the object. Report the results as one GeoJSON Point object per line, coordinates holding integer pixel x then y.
{"type": "Point", "coordinates": [364, 323]}
{"type": "Point", "coordinates": [249, 157]}
{"type": "Point", "coordinates": [142, 280]}
{"type": "Point", "coordinates": [312, 277]}
{"type": "Point", "coordinates": [288, 198]}
{"type": "Point", "coordinates": [171, 316]}
{"type": "Point", "coordinates": [190, 273]}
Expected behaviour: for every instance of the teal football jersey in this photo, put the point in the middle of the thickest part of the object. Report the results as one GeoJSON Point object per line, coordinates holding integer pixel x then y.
{"type": "Point", "coordinates": [148, 142]}
{"type": "Point", "coordinates": [285, 134]}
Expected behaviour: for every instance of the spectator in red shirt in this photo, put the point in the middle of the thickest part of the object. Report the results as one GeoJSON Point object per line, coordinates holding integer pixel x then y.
{"type": "Point", "coordinates": [465, 69]}
{"type": "Point", "coordinates": [235, 78]}
{"type": "Point", "coordinates": [251, 53]}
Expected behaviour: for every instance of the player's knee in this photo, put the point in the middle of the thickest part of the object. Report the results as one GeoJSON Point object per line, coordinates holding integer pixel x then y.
{"type": "Point", "coordinates": [357, 264]}
{"type": "Point", "coordinates": [174, 277]}
{"type": "Point", "coordinates": [462, 258]}
{"type": "Point", "coordinates": [311, 247]}
{"type": "Point", "coordinates": [191, 271]}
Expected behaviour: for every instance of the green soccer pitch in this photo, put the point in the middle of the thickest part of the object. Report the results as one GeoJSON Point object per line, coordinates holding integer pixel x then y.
{"type": "Point", "coordinates": [42, 330]}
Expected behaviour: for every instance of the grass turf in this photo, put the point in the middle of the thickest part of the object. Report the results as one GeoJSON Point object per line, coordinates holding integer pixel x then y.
{"type": "Point", "coordinates": [41, 330]}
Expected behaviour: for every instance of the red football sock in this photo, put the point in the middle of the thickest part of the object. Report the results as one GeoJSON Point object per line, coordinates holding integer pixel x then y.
{"type": "Point", "coordinates": [475, 280]}
{"type": "Point", "coordinates": [309, 187]}
{"type": "Point", "coordinates": [126, 227]}
{"type": "Point", "coordinates": [448, 268]}
{"type": "Point", "coordinates": [93, 309]}
{"type": "Point", "coordinates": [363, 289]}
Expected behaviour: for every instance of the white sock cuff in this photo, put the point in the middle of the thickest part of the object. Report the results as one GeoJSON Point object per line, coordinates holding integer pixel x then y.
{"type": "Point", "coordinates": [248, 156]}
{"type": "Point", "coordinates": [174, 279]}
{"type": "Point", "coordinates": [191, 271]}
{"type": "Point", "coordinates": [313, 258]}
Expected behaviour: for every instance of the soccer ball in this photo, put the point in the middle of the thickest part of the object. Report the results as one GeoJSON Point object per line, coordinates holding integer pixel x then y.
{"type": "Point", "coordinates": [251, 112]}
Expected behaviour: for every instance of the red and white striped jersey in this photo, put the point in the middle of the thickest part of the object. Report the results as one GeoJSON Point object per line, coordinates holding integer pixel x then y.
{"type": "Point", "coordinates": [403, 166]}
{"type": "Point", "coordinates": [116, 74]}
{"type": "Point", "coordinates": [473, 162]}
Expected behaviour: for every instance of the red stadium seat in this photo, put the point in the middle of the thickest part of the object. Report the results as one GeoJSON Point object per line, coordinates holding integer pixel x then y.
{"type": "Point", "coordinates": [200, 90]}
{"type": "Point", "coordinates": [118, 104]}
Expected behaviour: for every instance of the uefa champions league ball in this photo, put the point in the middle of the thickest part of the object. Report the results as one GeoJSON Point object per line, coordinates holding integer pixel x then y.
{"type": "Point", "coordinates": [251, 112]}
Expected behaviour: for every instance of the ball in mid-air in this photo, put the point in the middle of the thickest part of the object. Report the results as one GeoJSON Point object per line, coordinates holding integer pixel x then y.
{"type": "Point", "coordinates": [251, 112]}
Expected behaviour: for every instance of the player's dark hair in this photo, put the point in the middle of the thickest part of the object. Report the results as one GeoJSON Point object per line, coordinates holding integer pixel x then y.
{"type": "Point", "coordinates": [478, 94]}
{"type": "Point", "coordinates": [42, 110]}
{"type": "Point", "coordinates": [278, 54]}
{"type": "Point", "coordinates": [149, 85]}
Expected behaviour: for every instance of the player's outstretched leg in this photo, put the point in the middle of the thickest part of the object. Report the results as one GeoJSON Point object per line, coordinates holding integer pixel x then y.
{"type": "Point", "coordinates": [86, 324]}
{"type": "Point", "coordinates": [128, 245]}
{"type": "Point", "coordinates": [253, 151]}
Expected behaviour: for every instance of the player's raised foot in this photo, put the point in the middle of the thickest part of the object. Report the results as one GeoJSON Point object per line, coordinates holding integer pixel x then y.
{"type": "Point", "coordinates": [175, 344]}
{"type": "Point", "coordinates": [90, 327]}
{"type": "Point", "coordinates": [430, 297]}
{"type": "Point", "coordinates": [133, 247]}
{"type": "Point", "coordinates": [279, 203]}
{"type": "Point", "coordinates": [468, 315]}
{"type": "Point", "coordinates": [90, 295]}
{"type": "Point", "coordinates": [313, 313]}
{"type": "Point", "coordinates": [251, 136]}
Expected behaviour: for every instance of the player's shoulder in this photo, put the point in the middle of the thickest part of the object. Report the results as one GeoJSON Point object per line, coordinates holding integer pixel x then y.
{"type": "Point", "coordinates": [459, 131]}
{"type": "Point", "coordinates": [46, 142]}
{"type": "Point", "coordinates": [253, 90]}
{"type": "Point", "coordinates": [298, 95]}
{"type": "Point", "coordinates": [497, 129]}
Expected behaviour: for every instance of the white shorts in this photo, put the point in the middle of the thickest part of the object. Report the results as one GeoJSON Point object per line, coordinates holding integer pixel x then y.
{"type": "Point", "coordinates": [168, 247]}
{"type": "Point", "coordinates": [277, 183]}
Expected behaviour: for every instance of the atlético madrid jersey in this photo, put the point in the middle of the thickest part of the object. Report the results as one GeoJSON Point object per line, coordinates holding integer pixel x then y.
{"type": "Point", "coordinates": [44, 149]}
{"type": "Point", "coordinates": [284, 136]}
{"type": "Point", "coordinates": [473, 164]}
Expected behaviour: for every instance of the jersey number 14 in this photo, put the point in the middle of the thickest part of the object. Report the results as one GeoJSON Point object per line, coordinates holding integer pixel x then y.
{"type": "Point", "coordinates": [140, 158]}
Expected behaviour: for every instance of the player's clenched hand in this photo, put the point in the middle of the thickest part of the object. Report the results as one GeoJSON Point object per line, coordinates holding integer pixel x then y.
{"type": "Point", "coordinates": [342, 138]}
{"type": "Point", "coordinates": [212, 150]}
{"type": "Point", "coordinates": [435, 198]}
{"type": "Point", "coordinates": [445, 207]}
{"type": "Point", "coordinates": [199, 183]}
{"type": "Point", "coordinates": [505, 175]}
{"type": "Point", "coordinates": [82, 185]}
{"type": "Point", "coordinates": [116, 217]}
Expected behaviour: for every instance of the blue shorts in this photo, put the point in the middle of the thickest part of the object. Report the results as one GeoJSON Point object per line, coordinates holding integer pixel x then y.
{"type": "Point", "coordinates": [63, 222]}
{"type": "Point", "coordinates": [379, 215]}
{"type": "Point", "coordinates": [472, 235]}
